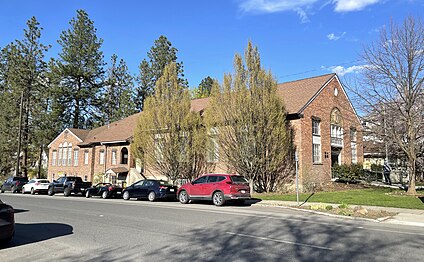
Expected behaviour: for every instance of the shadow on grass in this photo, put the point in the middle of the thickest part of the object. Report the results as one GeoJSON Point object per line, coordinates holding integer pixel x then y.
{"type": "Point", "coordinates": [306, 200]}
{"type": "Point", "coordinates": [422, 199]}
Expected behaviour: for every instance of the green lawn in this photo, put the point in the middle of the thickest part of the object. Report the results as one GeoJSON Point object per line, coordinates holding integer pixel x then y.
{"type": "Point", "coordinates": [367, 197]}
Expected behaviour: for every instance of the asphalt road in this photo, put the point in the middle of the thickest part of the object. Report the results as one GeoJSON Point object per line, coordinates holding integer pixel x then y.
{"type": "Point", "coordinates": [79, 229]}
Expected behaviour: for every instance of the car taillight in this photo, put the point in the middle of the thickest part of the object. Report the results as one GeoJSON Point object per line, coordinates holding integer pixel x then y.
{"type": "Point", "coordinates": [110, 188]}
{"type": "Point", "coordinates": [163, 187]}
{"type": "Point", "coordinates": [37, 183]}
{"type": "Point", "coordinates": [17, 183]}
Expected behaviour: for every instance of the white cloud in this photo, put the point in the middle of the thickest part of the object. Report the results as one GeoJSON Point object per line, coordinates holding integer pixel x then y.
{"type": "Point", "coordinates": [352, 5]}
{"type": "Point", "coordinates": [334, 37]}
{"type": "Point", "coordinates": [341, 70]}
{"type": "Point", "coordinates": [273, 6]}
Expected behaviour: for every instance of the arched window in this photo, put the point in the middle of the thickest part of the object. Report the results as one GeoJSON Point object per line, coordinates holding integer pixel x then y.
{"type": "Point", "coordinates": [59, 159]}
{"type": "Point", "coordinates": [336, 121]}
{"type": "Point", "coordinates": [65, 153]}
{"type": "Point", "coordinates": [124, 155]}
{"type": "Point", "coordinates": [69, 154]}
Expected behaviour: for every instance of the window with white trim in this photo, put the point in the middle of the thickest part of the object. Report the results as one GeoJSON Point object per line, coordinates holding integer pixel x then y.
{"type": "Point", "coordinates": [113, 157]}
{"type": "Point", "coordinates": [59, 160]}
{"type": "Point", "coordinates": [54, 157]}
{"type": "Point", "coordinates": [102, 157]}
{"type": "Point", "coordinates": [69, 154]}
{"type": "Point", "coordinates": [76, 151]}
{"type": "Point", "coordinates": [64, 153]}
{"type": "Point", "coordinates": [316, 141]}
{"type": "Point", "coordinates": [353, 145]}
{"type": "Point", "coordinates": [85, 157]}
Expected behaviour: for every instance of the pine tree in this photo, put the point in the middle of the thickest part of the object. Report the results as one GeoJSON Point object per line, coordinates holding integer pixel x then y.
{"type": "Point", "coordinates": [160, 55]}
{"type": "Point", "coordinates": [204, 89]}
{"type": "Point", "coordinates": [78, 73]}
{"type": "Point", "coordinates": [119, 92]}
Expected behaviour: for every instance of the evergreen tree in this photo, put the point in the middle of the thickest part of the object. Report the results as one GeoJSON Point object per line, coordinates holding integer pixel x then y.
{"type": "Point", "coordinates": [204, 89]}
{"type": "Point", "coordinates": [161, 54]}
{"type": "Point", "coordinates": [78, 74]}
{"type": "Point", "coordinates": [25, 80]}
{"type": "Point", "coordinates": [250, 125]}
{"type": "Point", "coordinates": [119, 94]}
{"type": "Point", "coordinates": [169, 137]}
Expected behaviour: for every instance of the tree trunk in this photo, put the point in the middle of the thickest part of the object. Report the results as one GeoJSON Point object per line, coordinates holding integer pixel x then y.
{"type": "Point", "coordinates": [40, 161]}
{"type": "Point", "coordinates": [411, 173]}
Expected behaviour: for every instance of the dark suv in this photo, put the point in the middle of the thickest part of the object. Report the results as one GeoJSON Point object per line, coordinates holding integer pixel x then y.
{"type": "Point", "coordinates": [14, 184]}
{"type": "Point", "coordinates": [216, 187]}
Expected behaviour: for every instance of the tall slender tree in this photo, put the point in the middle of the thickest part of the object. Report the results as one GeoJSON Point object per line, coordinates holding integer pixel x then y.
{"type": "Point", "coordinates": [118, 98]}
{"type": "Point", "coordinates": [25, 77]}
{"type": "Point", "coordinates": [78, 73]}
{"type": "Point", "coordinates": [250, 124]}
{"type": "Point", "coordinates": [204, 89]}
{"type": "Point", "coordinates": [169, 137]}
{"type": "Point", "coordinates": [161, 54]}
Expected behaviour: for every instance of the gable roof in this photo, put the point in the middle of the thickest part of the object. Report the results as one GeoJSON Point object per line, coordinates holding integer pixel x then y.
{"type": "Point", "coordinates": [118, 131]}
{"type": "Point", "coordinates": [298, 94]}
{"type": "Point", "coordinates": [80, 134]}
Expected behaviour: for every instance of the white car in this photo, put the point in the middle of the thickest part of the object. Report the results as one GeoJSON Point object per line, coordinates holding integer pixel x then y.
{"type": "Point", "coordinates": [36, 186]}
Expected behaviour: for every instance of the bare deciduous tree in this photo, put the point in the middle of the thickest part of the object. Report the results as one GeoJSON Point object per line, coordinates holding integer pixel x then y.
{"type": "Point", "coordinates": [391, 90]}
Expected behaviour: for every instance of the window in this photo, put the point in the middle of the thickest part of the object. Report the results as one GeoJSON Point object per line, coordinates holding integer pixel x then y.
{"type": "Point", "coordinates": [124, 156]}
{"type": "Point", "coordinates": [336, 128]}
{"type": "Point", "coordinates": [76, 157]}
{"type": "Point", "coordinates": [64, 154]}
{"type": "Point", "coordinates": [86, 157]}
{"type": "Point", "coordinates": [316, 148]}
{"type": "Point", "coordinates": [315, 127]}
{"type": "Point", "coordinates": [316, 141]}
{"type": "Point", "coordinates": [113, 157]}
{"type": "Point", "coordinates": [212, 179]}
{"type": "Point", "coordinates": [102, 157]}
{"type": "Point", "coordinates": [59, 161]}
{"type": "Point", "coordinates": [69, 154]}
{"type": "Point", "coordinates": [353, 145]}
{"type": "Point", "coordinates": [200, 180]}
{"type": "Point", "coordinates": [54, 157]}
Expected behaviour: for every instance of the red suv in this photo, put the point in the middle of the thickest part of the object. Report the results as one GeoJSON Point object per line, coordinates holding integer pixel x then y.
{"type": "Point", "coordinates": [215, 187]}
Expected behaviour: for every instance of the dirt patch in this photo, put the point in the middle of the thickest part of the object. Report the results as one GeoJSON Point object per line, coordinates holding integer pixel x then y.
{"type": "Point", "coordinates": [344, 210]}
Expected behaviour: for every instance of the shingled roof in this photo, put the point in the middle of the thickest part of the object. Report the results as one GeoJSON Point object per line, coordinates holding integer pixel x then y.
{"type": "Point", "coordinates": [296, 95]}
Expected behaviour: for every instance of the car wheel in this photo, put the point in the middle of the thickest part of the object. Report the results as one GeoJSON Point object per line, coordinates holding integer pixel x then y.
{"type": "Point", "coordinates": [126, 195]}
{"type": "Point", "coordinates": [23, 190]}
{"type": "Point", "coordinates": [14, 190]}
{"type": "Point", "coordinates": [104, 194]}
{"type": "Point", "coordinates": [152, 196]}
{"type": "Point", "coordinates": [32, 191]}
{"type": "Point", "coordinates": [67, 192]}
{"type": "Point", "coordinates": [218, 198]}
{"type": "Point", "coordinates": [183, 197]}
{"type": "Point", "coordinates": [87, 194]}
{"type": "Point", "coordinates": [50, 191]}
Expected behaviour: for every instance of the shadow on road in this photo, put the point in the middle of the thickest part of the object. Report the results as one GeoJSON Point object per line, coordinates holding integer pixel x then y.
{"type": "Point", "coordinates": [17, 210]}
{"type": "Point", "coordinates": [32, 233]}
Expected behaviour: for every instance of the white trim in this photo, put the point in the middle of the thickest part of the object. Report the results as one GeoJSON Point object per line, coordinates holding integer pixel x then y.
{"type": "Point", "coordinates": [79, 139]}
{"type": "Point", "coordinates": [113, 142]}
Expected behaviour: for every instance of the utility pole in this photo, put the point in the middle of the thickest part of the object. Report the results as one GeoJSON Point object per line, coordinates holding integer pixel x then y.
{"type": "Point", "coordinates": [19, 135]}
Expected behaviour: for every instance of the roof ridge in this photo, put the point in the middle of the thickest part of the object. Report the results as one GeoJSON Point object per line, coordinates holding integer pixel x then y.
{"type": "Point", "coordinates": [332, 74]}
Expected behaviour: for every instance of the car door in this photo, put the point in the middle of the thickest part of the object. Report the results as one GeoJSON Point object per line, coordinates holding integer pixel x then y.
{"type": "Point", "coordinates": [137, 189]}
{"type": "Point", "coordinates": [146, 188]}
{"type": "Point", "coordinates": [209, 186]}
{"type": "Point", "coordinates": [58, 185]}
{"type": "Point", "coordinates": [196, 189]}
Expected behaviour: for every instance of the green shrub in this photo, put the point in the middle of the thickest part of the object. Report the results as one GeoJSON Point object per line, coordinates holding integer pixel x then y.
{"type": "Point", "coordinates": [328, 207]}
{"type": "Point", "coordinates": [343, 206]}
{"type": "Point", "coordinates": [348, 173]}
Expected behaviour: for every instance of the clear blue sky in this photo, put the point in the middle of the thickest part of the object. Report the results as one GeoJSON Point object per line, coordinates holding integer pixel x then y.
{"type": "Point", "coordinates": [296, 39]}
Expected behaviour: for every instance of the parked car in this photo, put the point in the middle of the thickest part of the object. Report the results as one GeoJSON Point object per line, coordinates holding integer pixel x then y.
{"type": "Point", "coordinates": [105, 190]}
{"type": "Point", "coordinates": [150, 189]}
{"type": "Point", "coordinates": [216, 187]}
{"type": "Point", "coordinates": [68, 185]}
{"type": "Point", "coordinates": [36, 186]}
{"type": "Point", "coordinates": [14, 184]}
{"type": "Point", "coordinates": [7, 223]}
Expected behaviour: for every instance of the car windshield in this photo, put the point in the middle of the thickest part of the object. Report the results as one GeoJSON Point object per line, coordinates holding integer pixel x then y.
{"type": "Point", "coordinates": [238, 179]}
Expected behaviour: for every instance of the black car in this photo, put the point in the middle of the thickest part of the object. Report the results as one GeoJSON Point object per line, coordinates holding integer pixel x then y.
{"type": "Point", "coordinates": [7, 223]}
{"type": "Point", "coordinates": [105, 190]}
{"type": "Point", "coordinates": [150, 189]}
{"type": "Point", "coordinates": [14, 184]}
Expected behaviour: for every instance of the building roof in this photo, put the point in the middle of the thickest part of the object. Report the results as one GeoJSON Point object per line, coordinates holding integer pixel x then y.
{"type": "Point", "coordinates": [298, 94]}
{"type": "Point", "coordinates": [118, 131]}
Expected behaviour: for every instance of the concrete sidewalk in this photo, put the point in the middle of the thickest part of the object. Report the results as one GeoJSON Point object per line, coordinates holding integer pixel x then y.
{"type": "Point", "coordinates": [410, 217]}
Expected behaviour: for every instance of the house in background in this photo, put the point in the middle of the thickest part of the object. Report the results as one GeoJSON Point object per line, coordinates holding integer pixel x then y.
{"type": "Point", "coordinates": [327, 131]}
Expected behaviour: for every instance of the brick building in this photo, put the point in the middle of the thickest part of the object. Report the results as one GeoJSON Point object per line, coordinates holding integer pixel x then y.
{"type": "Point", "coordinates": [327, 132]}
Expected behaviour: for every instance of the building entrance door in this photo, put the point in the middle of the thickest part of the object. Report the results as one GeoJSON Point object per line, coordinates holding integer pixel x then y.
{"type": "Point", "coordinates": [335, 156]}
